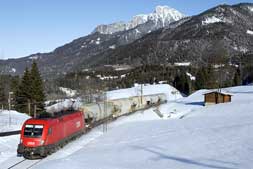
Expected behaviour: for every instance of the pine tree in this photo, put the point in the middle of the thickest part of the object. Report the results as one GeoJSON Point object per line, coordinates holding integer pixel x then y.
{"type": "Point", "coordinates": [37, 89]}
{"type": "Point", "coordinates": [201, 79]}
{"type": "Point", "coordinates": [14, 84]}
{"type": "Point", "coordinates": [237, 78]}
{"type": "Point", "coordinates": [23, 93]}
{"type": "Point", "coordinates": [181, 83]}
{"type": "Point", "coordinates": [211, 82]}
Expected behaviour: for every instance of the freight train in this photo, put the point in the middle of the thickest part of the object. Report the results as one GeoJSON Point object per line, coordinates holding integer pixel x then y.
{"type": "Point", "coordinates": [98, 112]}
{"type": "Point", "coordinates": [47, 133]}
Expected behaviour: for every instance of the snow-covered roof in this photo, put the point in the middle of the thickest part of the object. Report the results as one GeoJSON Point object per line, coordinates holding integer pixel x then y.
{"type": "Point", "coordinates": [218, 91]}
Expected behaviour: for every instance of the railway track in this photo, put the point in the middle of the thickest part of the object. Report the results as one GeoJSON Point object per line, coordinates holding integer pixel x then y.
{"type": "Point", "coordinates": [9, 133]}
{"type": "Point", "coordinates": [24, 164]}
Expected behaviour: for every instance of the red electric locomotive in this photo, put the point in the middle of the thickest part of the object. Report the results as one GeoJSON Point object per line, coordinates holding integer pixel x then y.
{"type": "Point", "coordinates": [44, 135]}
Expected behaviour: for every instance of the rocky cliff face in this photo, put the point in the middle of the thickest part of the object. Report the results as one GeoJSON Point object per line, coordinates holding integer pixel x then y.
{"type": "Point", "coordinates": [161, 17]}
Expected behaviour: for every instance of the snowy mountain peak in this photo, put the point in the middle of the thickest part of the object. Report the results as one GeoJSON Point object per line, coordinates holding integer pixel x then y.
{"type": "Point", "coordinates": [165, 12]}
{"type": "Point", "coordinates": [161, 17]}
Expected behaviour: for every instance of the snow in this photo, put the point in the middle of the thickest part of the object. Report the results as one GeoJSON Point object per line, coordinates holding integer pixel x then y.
{"type": "Point", "coordinates": [11, 120]}
{"type": "Point", "coordinates": [121, 67]}
{"type": "Point", "coordinates": [240, 48]}
{"type": "Point", "coordinates": [193, 137]}
{"type": "Point", "coordinates": [235, 65]}
{"type": "Point", "coordinates": [208, 138]}
{"type": "Point", "coordinates": [98, 41]}
{"type": "Point", "coordinates": [243, 49]}
{"type": "Point", "coordinates": [182, 63]}
{"type": "Point", "coordinates": [216, 66]}
{"type": "Point", "coordinates": [249, 31]}
{"type": "Point", "coordinates": [170, 92]}
{"type": "Point", "coordinates": [13, 70]}
{"type": "Point", "coordinates": [137, 31]}
{"type": "Point", "coordinates": [8, 148]}
{"type": "Point", "coordinates": [112, 47]}
{"type": "Point", "coordinates": [34, 57]}
{"type": "Point", "coordinates": [164, 14]}
{"type": "Point", "coordinates": [63, 105]}
{"type": "Point", "coordinates": [106, 77]}
{"type": "Point", "coordinates": [250, 8]}
{"type": "Point", "coordinates": [217, 136]}
{"type": "Point", "coordinates": [222, 91]}
{"type": "Point", "coordinates": [122, 76]}
{"type": "Point", "coordinates": [68, 92]}
{"type": "Point", "coordinates": [191, 76]}
{"type": "Point", "coordinates": [211, 20]}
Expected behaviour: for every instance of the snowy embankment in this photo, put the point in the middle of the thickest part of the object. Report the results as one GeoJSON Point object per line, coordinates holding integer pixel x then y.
{"type": "Point", "coordinates": [11, 120]}
{"type": "Point", "coordinates": [170, 92]}
{"type": "Point", "coordinates": [216, 137]}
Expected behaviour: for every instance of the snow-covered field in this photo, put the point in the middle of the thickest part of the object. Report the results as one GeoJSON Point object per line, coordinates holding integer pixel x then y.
{"type": "Point", "coordinates": [194, 137]}
{"type": "Point", "coordinates": [170, 92]}
{"type": "Point", "coordinates": [11, 120]}
{"type": "Point", "coordinates": [8, 148]}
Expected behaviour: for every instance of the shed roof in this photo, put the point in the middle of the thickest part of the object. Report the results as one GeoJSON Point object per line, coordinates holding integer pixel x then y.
{"type": "Point", "coordinates": [220, 92]}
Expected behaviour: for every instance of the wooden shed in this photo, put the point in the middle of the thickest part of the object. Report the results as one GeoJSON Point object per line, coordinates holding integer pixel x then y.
{"type": "Point", "coordinates": [216, 97]}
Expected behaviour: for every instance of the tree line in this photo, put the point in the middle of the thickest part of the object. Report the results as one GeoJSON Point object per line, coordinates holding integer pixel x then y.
{"type": "Point", "coordinates": [208, 77]}
{"type": "Point", "coordinates": [26, 93]}
{"type": "Point", "coordinates": [30, 90]}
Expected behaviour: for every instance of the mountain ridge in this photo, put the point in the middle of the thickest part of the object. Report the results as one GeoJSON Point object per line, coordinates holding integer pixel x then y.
{"type": "Point", "coordinates": [163, 14]}
{"type": "Point", "coordinates": [198, 38]}
{"type": "Point", "coordinates": [64, 58]}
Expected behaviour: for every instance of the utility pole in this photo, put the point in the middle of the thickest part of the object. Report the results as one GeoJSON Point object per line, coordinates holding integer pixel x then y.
{"type": "Point", "coordinates": [141, 94]}
{"type": "Point", "coordinates": [35, 107]}
{"type": "Point", "coordinates": [105, 124]}
{"type": "Point", "coordinates": [9, 106]}
{"type": "Point", "coordinates": [29, 107]}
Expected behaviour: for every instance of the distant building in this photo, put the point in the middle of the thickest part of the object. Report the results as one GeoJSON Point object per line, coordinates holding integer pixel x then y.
{"type": "Point", "coordinates": [216, 97]}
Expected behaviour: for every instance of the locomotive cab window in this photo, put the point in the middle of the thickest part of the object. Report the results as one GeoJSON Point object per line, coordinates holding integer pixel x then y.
{"type": "Point", "coordinates": [33, 130]}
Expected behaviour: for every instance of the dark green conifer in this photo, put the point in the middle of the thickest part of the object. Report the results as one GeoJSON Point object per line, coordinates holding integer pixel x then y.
{"type": "Point", "coordinates": [201, 79]}
{"type": "Point", "coordinates": [37, 89]}
{"type": "Point", "coordinates": [30, 92]}
{"type": "Point", "coordinates": [237, 78]}
{"type": "Point", "coordinates": [23, 93]}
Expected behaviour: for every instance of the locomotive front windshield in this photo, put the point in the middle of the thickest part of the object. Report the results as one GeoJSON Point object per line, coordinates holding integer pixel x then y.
{"type": "Point", "coordinates": [33, 130]}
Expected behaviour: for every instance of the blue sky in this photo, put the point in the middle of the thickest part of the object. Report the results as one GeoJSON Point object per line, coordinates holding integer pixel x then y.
{"type": "Point", "coordinates": [31, 26]}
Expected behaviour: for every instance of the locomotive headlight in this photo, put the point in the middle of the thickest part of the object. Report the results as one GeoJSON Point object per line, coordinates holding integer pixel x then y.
{"type": "Point", "coordinates": [42, 142]}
